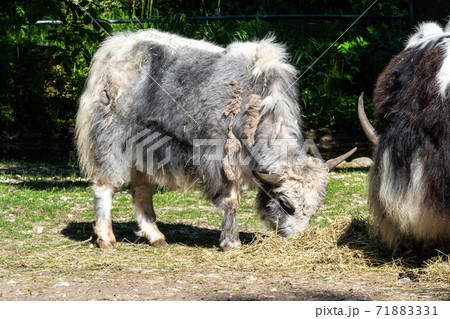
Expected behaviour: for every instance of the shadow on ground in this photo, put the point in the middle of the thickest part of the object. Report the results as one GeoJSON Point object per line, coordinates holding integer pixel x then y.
{"type": "Point", "coordinates": [357, 237]}
{"type": "Point", "coordinates": [294, 295]}
{"type": "Point", "coordinates": [49, 184]}
{"type": "Point", "coordinates": [351, 169]}
{"type": "Point", "coordinates": [175, 234]}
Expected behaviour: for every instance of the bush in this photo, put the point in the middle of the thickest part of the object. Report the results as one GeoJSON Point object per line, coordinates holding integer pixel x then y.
{"type": "Point", "coordinates": [43, 67]}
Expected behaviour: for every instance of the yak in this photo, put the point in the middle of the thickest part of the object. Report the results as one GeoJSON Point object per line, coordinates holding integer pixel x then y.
{"type": "Point", "coordinates": [409, 182]}
{"type": "Point", "coordinates": [162, 110]}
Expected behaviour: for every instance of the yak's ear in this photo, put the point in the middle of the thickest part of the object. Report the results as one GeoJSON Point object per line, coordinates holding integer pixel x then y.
{"type": "Point", "coordinates": [271, 179]}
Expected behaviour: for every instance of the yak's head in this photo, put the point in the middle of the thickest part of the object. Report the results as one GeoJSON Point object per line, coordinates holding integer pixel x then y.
{"type": "Point", "coordinates": [287, 200]}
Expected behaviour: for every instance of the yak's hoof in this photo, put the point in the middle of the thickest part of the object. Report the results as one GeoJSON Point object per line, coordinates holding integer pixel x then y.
{"type": "Point", "coordinates": [230, 245]}
{"type": "Point", "coordinates": [161, 243]}
{"type": "Point", "coordinates": [103, 244]}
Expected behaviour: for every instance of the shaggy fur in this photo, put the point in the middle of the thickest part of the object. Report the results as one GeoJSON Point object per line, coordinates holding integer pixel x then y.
{"type": "Point", "coordinates": [150, 95]}
{"type": "Point", "coordinates": [233, 145]}
{"type": "Point", "coordinates": [302, 189]}
{"type": "Point", "coordinates": [410, 179]}
{"type": "Point", "coordinates": [253, 109]}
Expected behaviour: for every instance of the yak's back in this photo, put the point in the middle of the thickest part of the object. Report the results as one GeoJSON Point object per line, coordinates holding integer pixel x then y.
{"type": "Point", "coordinates": [179, 87]}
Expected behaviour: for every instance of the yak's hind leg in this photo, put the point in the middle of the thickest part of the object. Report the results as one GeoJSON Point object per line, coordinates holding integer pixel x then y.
{"type": "Point", "coordinates": [142, 191]}
{"type": "Point", "coordinates": [229, 237]}
{"type": "Point", "coordinates": [103, 194]}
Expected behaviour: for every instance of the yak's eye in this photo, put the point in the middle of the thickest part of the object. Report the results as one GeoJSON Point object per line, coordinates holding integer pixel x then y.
{"type": "Point", "coordinates": [287, 205]}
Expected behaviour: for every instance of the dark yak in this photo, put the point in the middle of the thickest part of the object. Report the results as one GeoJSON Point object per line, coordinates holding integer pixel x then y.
{"type": "Point", "coordinates": [160, 109]}
{"type": "Point", "coordinates": [409, 183]}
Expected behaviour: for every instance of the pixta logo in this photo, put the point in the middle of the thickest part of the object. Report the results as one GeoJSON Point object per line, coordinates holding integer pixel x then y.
{"type": "Point", "coordinates": [149, 151]}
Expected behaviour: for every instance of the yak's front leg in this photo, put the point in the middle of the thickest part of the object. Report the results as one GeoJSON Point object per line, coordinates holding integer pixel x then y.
{"type": "Point", "coordinates": [142, 191]}
{"type": "Point", "coordinates": [229, 237]}
{"type": "Point", "coordinates": [103, 194]}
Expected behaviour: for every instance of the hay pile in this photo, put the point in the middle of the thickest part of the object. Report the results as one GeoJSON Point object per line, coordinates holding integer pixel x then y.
{"type": "Point", "coordinates": [342, 246]}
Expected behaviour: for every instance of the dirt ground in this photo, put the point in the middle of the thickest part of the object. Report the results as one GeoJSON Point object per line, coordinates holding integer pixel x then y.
{"type": "Point", "coordinates": [216, 284]}
{"type": "Point", "coordinates": [228, 285]}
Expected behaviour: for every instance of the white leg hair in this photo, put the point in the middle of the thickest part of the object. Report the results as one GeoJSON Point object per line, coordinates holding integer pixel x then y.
{"type": "Point", "coordinates": [103, 194]}
{"type": "Point", "coordinates": [229, 237]}
{"type": "Point", "coordinates": [402, 217]}
{"type": "Point", "coordinates": [142, 190]}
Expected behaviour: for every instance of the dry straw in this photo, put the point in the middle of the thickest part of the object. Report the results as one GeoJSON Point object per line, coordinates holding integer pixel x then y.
{"type": "Point", "coordinates": [343, 246]}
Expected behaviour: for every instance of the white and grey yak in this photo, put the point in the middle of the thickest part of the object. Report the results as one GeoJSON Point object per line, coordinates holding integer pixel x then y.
{"type": "Point", "coordinates": [409, 183]}
{"type": "Point", "coordinates": [162, 110]}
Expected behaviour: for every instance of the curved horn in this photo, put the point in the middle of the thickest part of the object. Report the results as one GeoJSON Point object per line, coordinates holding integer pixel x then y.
{"type": "Point", "coordinates": [271, 179]}
{"type": "Point", "coordinates": [366, 126]}
{"type": "Point", "coordinates": [332, 163]}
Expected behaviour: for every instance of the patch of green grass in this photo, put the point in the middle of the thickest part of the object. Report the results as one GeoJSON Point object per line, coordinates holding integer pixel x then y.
{"type": "Point", "coordinates": [56, 196]}
{"type": "Point", "coordinates": [346, 196]}
{"type": "Point", "coordinates": [337, 239]}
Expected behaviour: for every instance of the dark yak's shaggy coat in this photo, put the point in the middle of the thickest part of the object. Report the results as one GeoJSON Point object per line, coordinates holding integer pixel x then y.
{"type": "Point", "coordinates": [410, 179]}
{"type": "Point", "coordinates": [154, 95]}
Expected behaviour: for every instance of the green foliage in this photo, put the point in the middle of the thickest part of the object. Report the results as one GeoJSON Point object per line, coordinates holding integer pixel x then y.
{"type": "Point", "coordinates": [43, 67]}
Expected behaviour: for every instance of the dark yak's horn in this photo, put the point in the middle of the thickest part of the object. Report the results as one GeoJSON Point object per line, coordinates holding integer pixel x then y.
{"type": "Point", "coordinates": [332, 163]}
{"type": "Point", "coordinates": [271, 179]}
{"type": "Point", "coordinates": [367, 127]}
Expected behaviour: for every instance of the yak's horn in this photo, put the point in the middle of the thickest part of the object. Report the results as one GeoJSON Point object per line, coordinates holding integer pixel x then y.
{"type": "Point", "coordinates": [332, 163]}
{"type": "Point", "coordinates": [367, 127]}
{"type": "Point", "coordinates": [271, 179]}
